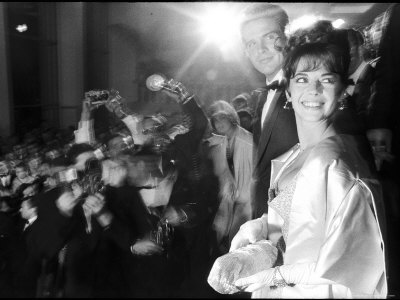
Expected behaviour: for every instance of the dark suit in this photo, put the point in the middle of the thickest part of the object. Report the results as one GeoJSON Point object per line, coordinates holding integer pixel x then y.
{"type": "Point", "coordinates": [384, 113]}
{"type": "Point", "coordinates": [26, 262]}
{"type": "Point", "coordinates": [196, 193]}
{"type": "Point", "coordinates": [278, 134]}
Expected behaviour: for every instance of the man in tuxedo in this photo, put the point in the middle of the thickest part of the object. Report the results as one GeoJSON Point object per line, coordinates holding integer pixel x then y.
{"type": "Point", "coordinates": [26, 263]}
{"type": "Point", "coordinates": [274, 130]}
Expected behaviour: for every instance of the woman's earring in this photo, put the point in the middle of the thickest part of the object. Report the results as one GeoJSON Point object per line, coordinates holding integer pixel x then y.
{"type": "Point", "coordinates": [343, 101]}
{"type": "Point", "coordinates": [288, 105]}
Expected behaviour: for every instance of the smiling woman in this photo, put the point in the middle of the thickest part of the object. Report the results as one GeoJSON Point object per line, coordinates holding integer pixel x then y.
{"type": "Point", "coordinates": [325, 212]}
{"type": "Point", "coordinates": [317, 75]}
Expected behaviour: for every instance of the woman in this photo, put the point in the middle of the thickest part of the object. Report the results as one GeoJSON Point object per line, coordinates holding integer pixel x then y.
{"type": "Point", "coordinates": [22, 176]}
{"type": "Point", "coordinates": [233, 164]}
{"type": "Point", "coordinates": [324, 204]}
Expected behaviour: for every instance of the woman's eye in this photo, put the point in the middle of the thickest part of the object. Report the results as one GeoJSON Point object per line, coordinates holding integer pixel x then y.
{"type": "Point", "coordinates": [328, 80]}
{"type": "Point", "coordinates": [301, 80]}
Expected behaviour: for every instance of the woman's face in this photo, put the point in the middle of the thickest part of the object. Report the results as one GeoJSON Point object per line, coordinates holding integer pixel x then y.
{"type": "Point", "coordinates": [222, 125]}
{"type": "Point", "coordinates": [315, 94]}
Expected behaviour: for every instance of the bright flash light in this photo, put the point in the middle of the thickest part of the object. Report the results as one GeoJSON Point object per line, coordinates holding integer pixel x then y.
{"type": "Point", "coordinates": [338, 23]}
{"type": "Point", "coordinates": [22, 28]}
{"type": "Point", "coordinates": [303, 22]}
{"type": "Point", "coordinates": [219, 24]}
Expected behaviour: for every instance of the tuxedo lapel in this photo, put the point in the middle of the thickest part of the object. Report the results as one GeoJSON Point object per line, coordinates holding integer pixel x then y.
{"type": "Point", "coordinates": [268, 124]}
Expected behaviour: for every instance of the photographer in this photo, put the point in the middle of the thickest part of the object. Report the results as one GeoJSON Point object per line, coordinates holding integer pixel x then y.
{"type": "Point", "coordinates": [192, 203]}
{"type": "Point", "coordinates": [80, 230]}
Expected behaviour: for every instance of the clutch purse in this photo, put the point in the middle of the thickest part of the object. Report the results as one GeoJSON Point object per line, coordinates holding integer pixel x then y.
{"type": "Point", "coordinates": [240, 263]}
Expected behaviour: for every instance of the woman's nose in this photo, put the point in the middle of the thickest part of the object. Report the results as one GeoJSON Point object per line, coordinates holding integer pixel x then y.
{"type": "Point", "coordinates": [315, 87]}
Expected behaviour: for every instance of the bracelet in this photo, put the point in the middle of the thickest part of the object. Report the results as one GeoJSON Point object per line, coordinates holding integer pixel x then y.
{"type": "Point", "coordinates": [278, 282]}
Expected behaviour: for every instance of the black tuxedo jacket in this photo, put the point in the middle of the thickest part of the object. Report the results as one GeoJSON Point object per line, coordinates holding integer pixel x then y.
{"type": "Point", "coordinates": [278, 134]}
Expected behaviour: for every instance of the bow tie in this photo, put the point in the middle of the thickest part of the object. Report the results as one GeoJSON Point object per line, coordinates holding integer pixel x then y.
{"type": "Point", "coordinates": [273, 85]}
{"type": "Point", "coordinates": [147, 187]}
{"type": "Point", "coordinates": [350, 82]}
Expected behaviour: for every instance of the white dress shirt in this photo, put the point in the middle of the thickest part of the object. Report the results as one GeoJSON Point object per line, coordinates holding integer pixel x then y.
{"type": "Point", "coordinates": [270, 96]}
{"type": "Point", "coordinates": [355, 76]}
{"type": "Point", "coordinates": [30, 221]}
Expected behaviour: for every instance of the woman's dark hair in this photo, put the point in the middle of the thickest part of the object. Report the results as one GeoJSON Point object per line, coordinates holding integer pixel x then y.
{"type": "Point", "coordinates": [334, 58]}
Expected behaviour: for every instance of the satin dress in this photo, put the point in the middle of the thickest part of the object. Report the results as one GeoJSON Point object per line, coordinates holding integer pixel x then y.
{"type": "Point", "coordinates": [329, 216]}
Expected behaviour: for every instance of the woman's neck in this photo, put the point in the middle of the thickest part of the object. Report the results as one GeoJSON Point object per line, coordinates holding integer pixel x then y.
{"type": "Point", "coordinates": [311, 133]}
{"type": "Point", "coordinates": [231, 133]}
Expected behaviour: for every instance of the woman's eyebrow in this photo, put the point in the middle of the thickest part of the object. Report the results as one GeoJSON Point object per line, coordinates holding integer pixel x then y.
{"type": "Point", "coordinates": [300, 73]}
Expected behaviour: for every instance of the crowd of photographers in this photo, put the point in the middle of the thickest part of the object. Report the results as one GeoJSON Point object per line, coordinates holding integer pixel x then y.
{"type": "Point", "coordinates": [127, 213]}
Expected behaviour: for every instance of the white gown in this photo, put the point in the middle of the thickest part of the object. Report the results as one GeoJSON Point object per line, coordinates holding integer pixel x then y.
{"type": "Point", "coordinates": [331, 216]}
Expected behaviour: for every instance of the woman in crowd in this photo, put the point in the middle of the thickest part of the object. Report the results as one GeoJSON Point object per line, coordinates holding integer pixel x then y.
{"type": "Point", "coordinates": [323, 216]}
{"type": "Point", "coordinates": [233, 164]}
{"type": "Point", "coordinates": [22, 176]}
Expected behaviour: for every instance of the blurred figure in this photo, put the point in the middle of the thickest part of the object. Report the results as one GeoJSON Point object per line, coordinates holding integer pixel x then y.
{"type": "Point", "coordinates": [386, 140]}
{"type": "Point", "coordinates": [241, 101]}
{"type": "Point", "coordinates": [234, 166]}
{"type": "Point", "coordinates": [26, 262]}
{"type": "Point", "coordinates": [21, 176]}
{"type": "Point", "coordinates": [246, 119]}
{"type": "Point", "coordinates": [6, 179]}
{"type": "Point", "coordinates": [241, 105]}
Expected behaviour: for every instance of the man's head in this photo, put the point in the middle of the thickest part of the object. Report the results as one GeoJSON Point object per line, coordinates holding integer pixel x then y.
{"type": "Point", "coordinates": [241, 101]}
{"type": "Point", "coordinates": [357, 50]}
{"type": "Point", "coordinates": [21, 170]}
{"type": "Point", "coordinates": [28, 208]}
{"type": "Point", "coordinates": [262, 30]}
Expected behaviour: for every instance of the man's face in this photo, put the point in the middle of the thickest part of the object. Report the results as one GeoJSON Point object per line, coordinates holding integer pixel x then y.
{"type": "Point", "coordinates": [259, 37]}
{"type": "Point", "coordinates": [27, 211]}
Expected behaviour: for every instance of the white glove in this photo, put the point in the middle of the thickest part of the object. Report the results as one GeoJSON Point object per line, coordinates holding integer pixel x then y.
{"type": "Point", "coordinates": [250, 232]}
{"type": "Point", "coordinates": [295, 274]}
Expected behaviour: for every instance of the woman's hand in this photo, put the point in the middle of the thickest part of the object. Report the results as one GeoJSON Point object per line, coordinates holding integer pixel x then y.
{"type": "Point", "coordinates": [256, 281]}
{"type": "Point", "coordinates": [249, 233]}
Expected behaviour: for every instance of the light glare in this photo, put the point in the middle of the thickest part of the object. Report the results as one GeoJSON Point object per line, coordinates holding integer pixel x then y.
{"type": "Point", "coordinates": [22, 28]}
{"type": "Point", "coordinates": [303, 22]}
{"type": "Point", "coordinates": [338, 23]}
{"type": "Point", "coordinates": [219, 25]}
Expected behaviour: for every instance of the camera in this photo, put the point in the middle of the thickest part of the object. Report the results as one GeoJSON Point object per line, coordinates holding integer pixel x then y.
{"type": "Point", "coordinates": [90, 180]}
{"type": "Point", "coordinates": [97, 97]}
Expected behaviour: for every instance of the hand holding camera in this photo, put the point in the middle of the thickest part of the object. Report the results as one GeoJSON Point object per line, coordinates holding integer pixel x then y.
{"type": "Point", "coordinates": [173, 88]}
{"type": "Point", "coordinates": [111, 99]}
{"type": "Point", "coordinates": [66, 203]}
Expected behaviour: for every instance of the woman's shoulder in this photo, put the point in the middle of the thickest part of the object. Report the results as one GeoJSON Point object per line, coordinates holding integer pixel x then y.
{"type": "Point", "coordinates": [340, 153]}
